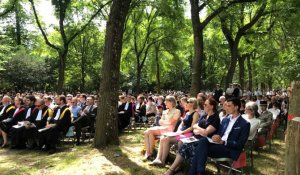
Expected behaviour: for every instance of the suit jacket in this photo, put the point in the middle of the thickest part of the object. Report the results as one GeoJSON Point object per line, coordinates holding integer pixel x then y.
{"type": "Point", "coordinates": [41, 123]}
{"type": "Point", "coordinates": [64, 121]}
{"type": "Point", "coordinates": [92, 112]}
{"type": "Point", "coordinates": [237, 137]}
{"type": "Point", "coordinates": [128, 112]}
{"type": "Point", "coordinates": [8, 111]}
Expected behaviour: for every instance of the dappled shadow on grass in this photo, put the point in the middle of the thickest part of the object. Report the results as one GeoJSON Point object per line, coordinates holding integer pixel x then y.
{"type": "Point", "coordinates": [35, 161]}
{"type": "Point", "coordinates": [125, 163]}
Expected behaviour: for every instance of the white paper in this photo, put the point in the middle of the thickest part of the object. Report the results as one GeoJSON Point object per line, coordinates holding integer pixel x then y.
{"type": "Point", "coordinates": [189, 140]}
{"type": "Point", "coordinates": [43, 129]}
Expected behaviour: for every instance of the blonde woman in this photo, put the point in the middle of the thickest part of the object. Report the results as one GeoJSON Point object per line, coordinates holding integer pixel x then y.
{"type": "Point", "coordinates": [167, 124]}
{"type": "Point", "coordinates": [184, 130]}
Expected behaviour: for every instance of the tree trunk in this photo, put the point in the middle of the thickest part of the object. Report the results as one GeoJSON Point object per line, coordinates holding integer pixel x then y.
{"type": "Point", "coordinates": [242, 70]}
{"type": "Point", "coordinates": [83, 63]}
{"type": "Point", "coordinates": [61, 70]}
{"type": "Point", "coordinates": [107, 116]}
{"type": "Point", "coordinates": [270, 82]}
{"type": "Point", "coordinates": [157, 45]}
{"type": "Point", "coordinates": [292, 152]}
{"type": "Point", "coordinates": [138, 79]}
{"type": "Point", "coordinates": [234, 58]}
{"type": "Point", "coordinates": [198, 51]}
{"type": "Point", "coordinates": [249, 73]}
{"type": "Point", "coordinates": [18, 25]}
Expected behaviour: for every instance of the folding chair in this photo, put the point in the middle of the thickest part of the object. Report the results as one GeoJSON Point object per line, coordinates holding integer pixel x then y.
{"type": "Point", "coordinates": [229, 163]}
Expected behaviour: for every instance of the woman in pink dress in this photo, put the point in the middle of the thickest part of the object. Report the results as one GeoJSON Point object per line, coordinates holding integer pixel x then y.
{"type": "Point", "coordinates": [167, 123]}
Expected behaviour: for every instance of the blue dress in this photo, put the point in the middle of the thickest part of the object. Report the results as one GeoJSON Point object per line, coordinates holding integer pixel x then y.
{"type": "Point", "coordinates": [187, 151]}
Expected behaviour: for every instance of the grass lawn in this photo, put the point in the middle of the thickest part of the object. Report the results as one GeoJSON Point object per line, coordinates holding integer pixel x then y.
{"type": "Point", "coordinates": [124, 159]}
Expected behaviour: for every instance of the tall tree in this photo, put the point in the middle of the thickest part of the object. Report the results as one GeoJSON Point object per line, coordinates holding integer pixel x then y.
{"type": "Point", "coordinates": [107, 117]}
{"type": "Point", "coordinates": [292, 151]}
{"type": "Point", "coordinates": [197, 7]}
{"type": "Point", "coordinates": [62, 49]}
{"type": "Point", "coordinates": [227, 25]}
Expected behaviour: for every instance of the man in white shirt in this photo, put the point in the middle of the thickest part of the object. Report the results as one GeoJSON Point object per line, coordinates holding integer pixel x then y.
{"type": "Point", "coordinates": [228, 142]}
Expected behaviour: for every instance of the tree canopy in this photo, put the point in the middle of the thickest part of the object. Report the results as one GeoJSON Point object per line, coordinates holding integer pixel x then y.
{"type": "Point", "coordinates": [254, 43]}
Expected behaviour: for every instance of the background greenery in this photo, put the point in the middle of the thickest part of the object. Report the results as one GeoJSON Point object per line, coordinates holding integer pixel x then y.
{"type": "Point", "coordinates": [158, 46]}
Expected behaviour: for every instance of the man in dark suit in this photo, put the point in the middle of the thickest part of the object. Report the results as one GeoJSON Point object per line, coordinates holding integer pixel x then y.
{"type": "Point", "coordinates": [58, 123]}
{"type": "Point", "coordinates": [229, 142]}
{"type": "Point", "coordinates": [87, 117]}
{"type": "Point", "coordinates": [124, 112]}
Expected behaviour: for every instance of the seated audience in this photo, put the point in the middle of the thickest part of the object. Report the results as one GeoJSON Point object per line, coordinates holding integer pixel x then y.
{"type": "Point", "coordinates": [125, 112]}
{"type": "Point", "coordinates": [18, 115]}
{"type": "Point", "coordinates": [17, 132]}
{"type": "Point", "coordinates": [228, 142]}
{"type": "Point", "coordinates": [36, 121]}
{"type": "Point", "coordinates": [206, 127]}
{"type": "Point", "coordinates": [265, 119]}
{"type": "Point", "coordinates": [167, 123]}
{"type": "Point", "coordinates": [150, 110]}
{"type": "Point", "coordinates": [57, 124]}
{"type": "Point", "coordinates": [75, 109]}
{"type": "Point", "coordinates": [184, 130]}
{"type": "Point", "coordinates": [140, 110]}
{"type": "Point", "coordinates": [158, 115]}
{"type": "Point", "coordinates": [87, 117]}
{"type": "Point", "coordinates": [7, 109]}
{"type": "Point", "coordinates": [251, 115]}
{"type": "Point", "coordinates": [223, 113]}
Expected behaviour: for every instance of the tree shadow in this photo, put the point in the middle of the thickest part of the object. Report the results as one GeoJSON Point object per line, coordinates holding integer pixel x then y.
{"type": "Point", "coordinates": [119, 157]}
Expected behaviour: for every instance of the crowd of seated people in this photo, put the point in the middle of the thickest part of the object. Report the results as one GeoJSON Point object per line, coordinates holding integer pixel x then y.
{"type": "Point", "coordinates": [39, 120]}
{"type": "Point", "coordinates": [237, 120]}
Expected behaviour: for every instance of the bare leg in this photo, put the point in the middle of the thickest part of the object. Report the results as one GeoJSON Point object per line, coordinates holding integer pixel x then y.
{"type": "Point", "coordinates": [166, 148]}
{"type": "Point", "coordinates": [152, 135]}
{"type": "Point", "coordinates": [179, 144]}
{"type": "Point", "coordinates": [176, 164]}
{"type": "Point", "coordinates": [149, 136]}
{"type": "Point", "coordinates": [146, 140]}
{"type": "Point", "coordinates": [160, 148]}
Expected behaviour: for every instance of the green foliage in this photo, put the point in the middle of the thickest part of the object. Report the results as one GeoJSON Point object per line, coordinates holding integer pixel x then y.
{"type": "Point", "coordinates": [25, 72]}
{"type": "Point", "coordinates": [273, 44]}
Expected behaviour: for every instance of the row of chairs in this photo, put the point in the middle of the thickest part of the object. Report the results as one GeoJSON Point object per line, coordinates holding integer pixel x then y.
{"type": "Point", "coordinates": [87, 133]}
